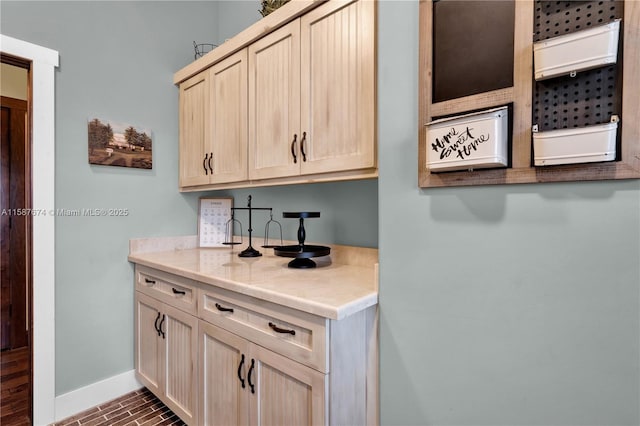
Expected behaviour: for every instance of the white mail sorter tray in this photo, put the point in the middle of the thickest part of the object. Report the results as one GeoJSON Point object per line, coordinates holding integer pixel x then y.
{"type": "Point", "coordinates": [582, 50]}
{"type": "Point", "coordinates": [580, 145]}
{"type": "Point", "coordinates": [472, 141]}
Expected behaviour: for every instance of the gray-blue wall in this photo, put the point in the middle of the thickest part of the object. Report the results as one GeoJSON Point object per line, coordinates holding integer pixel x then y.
{"type": "Point", "coordinates": [505, 305]}
{"type": "Point", "coordinates": [501, 305]}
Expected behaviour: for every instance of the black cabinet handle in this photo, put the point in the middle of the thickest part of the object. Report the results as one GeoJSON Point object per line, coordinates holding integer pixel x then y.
{"type": "Point", "coordinates": [293, 148]}
{"type": "Point", "coordinates": [304, 154]}
{"type": "Point", "coordinates": [281, 330]}
{"type": "Point", "coordinates": [209, 163]}
{"type": "Point", "coordinates": [223, 309]}
{"type": "Point", "coordinates": [178, 291]}
{"type": "Point", "coordinates": [160, 326]}
{"type": "Point", "coordinates": [204, 164]}
{"type": "Point", "coordinates": [240, 371]}
{"type": "Point", "coordinates": [249, 376]}
{"type": "Point", "coordinates": [155, 324]}
{"type": "Point", "coordinates": [148, 281]}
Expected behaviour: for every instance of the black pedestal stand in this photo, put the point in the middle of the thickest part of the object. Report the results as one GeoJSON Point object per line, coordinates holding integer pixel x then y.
{"type": "Point", "coordinates": [301, 252]}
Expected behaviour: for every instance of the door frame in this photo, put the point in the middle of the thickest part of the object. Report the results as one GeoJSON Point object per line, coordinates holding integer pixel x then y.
{"type": "Point", "coordinates": [42, 108]}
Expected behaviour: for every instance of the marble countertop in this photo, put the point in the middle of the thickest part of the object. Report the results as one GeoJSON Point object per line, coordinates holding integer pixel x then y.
{"type": "Point", "coordinates": [334, 289]}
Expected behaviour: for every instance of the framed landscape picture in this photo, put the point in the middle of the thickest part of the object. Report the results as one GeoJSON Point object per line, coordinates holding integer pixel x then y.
{"type": "Point", "coordinates": [116, 144]}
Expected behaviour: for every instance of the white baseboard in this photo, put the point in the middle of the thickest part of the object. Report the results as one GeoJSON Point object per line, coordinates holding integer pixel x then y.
{"type": "Point", "coordinates": [94, 394]}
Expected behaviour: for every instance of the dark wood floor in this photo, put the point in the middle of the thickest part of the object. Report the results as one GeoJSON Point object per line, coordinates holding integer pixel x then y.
{"type": "Point", "coordinates": [14, 387]}
{"type": "Point", "coordinates": [136, 408]}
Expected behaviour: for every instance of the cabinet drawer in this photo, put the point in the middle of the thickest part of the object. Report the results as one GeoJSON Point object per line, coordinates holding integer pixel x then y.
{"type": "Point", "coordinates": [297, 335]}
{"type": "Point", "coordinates": [175, 291]}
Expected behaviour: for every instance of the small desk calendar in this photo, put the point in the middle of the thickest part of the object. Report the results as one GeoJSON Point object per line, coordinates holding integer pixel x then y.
{"type": "Point", "coordinates": [213, 215]}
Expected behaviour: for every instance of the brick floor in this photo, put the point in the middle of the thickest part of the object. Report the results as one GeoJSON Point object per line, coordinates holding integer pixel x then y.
{"type": "Point", "coordinates": [133, 409]}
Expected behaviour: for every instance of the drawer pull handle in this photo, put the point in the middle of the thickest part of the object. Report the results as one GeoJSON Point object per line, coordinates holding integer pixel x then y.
{"type": "Point", "coordinates": [293, 148]}
{"type": "Point", "coordinates": [178, 291]}
{"type": "Point", "coordinates": [240, 371]}
{"type": "Point", "coordinates": [155, 324]}
{"type": "Point", "coordinates": [249, 376]}
{"type": "Point", "coordinates": [281, 330]}
{"type": "Point", "coordinates": [304, 154]}
{"type": "Point", "coordinates": [223, 309]}
{"type": "Point", "coordinates": [160, 326]}
{"type": "Point", "coordinates": [148, 281]}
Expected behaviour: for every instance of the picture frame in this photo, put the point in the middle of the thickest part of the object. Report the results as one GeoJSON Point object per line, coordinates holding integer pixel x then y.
{"type": "Point", "coordinates": [213, 215]}
{"type": "Point", "coordinates": [112, 143]}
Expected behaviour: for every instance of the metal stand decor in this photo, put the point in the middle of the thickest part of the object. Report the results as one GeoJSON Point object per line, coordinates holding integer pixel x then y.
{"type": "Point", "coordinates": [249, 251]}
{"type": "Point", "coordinates": [301, 252]}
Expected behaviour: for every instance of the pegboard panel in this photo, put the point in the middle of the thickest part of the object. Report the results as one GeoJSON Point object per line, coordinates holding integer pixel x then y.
{"type": "Point", "coordinates": [554, 18]}
{"type": "Point", "coordinates": [587, 99]}
{"type": "Point", "coordinates": [591, 97]}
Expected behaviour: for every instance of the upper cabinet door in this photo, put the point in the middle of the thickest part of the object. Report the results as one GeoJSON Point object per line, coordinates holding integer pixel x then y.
{"type": "Point", "coordinates": [274, 104]}
{"type": "Point", "coordinates": [338, 87]}
{"type": "Point", "coordinates": [228, 119]}
{"type": "Point", "coordinates": [194, 110]}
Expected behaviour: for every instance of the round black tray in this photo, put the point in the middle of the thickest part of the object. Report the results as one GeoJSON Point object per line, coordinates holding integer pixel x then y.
{"type": "Point", "coordinates": [300, 215]}
{"type": "Point", "coordinates": [302, 255]}
{"type": "Point", "coordinates": [306, 252]}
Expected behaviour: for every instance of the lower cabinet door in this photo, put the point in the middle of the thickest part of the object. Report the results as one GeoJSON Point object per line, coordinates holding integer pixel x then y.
{"type": "Point", "coordinates": [285, 392]}
{"type": "Point", "coordinates": [148, 341]}
{"type": "Point", "coordinates": [223, 377]}
{"type": "Point", "coordinates": [242, 383]}
{"type": "Point", "coordinates": [179, 357]}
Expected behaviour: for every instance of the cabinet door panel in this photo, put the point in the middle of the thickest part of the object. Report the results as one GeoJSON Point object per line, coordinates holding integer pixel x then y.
{"type": "Point", "coordinates": [229, 126]}
{"type": "Point", "coordinates": [180, 359]}
{"type": "Point", "coordinates": [287, 393]}
{"type": "Point", "coordinates": [194, 104]}
{"type": "Point", "coordinates": [223, 400]}
{"type": "Point", "coordinates": [274, 104]}
{"type": "Point", "coordinates": [338, 86]}
{"type": "Point", "coordinates": [148, 365]}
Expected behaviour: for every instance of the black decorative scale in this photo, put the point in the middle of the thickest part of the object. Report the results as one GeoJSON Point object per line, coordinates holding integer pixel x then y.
{"type": "Point", "coordinates": [301, 252]}
{"type": "Point", "coordinates": [249, 251]}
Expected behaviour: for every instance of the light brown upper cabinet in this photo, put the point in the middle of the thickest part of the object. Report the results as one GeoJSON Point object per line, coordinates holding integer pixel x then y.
{"type": "Point", "coordinates": [310, 107]}
{"type": "Point", "coordinates": [311, 94]}
{"type": "Point", "coordinates": [274, 104]}
{"type": "Point", "coordinates": [213, 124]}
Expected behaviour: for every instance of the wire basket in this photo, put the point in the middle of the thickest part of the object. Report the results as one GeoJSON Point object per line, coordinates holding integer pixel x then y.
{"type": "Point", "coordinates": [202, 48]}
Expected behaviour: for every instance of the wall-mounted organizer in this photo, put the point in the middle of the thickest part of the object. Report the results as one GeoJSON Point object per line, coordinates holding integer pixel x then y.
{"type": "Point", "coordinates": [576, 145]}
{"type": "Point", "coordinates": [470, 141]}
{"type": "Point", "coordinates": [578, 51]}
{"type": "Point", "coordinates": [578, 104]}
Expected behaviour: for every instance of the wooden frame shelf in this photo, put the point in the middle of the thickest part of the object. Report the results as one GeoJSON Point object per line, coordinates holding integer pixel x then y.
{"type": "Point", "coordinates": [521, 169]}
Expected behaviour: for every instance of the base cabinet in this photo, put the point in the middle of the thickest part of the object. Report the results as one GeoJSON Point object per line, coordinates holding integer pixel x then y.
{"type": "Point", "coordinates": [245, 384]}
{"type": "Point", "coordinates": [166, 354]}
{"type": "Point", "coordinates": [218, 358]}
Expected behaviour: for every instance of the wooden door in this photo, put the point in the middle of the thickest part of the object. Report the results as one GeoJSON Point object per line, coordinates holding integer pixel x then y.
{"type": "Point", "coordinates": [148, 340]}
{"type": "Point", "coordinates": [286, 393]}
{"type": "Point", "coordinates": [223, 389]}
{"type": "Point", "coordinates": [274, 104]}
{"type": "Point", "coordinates": [193, 120]}
{"type": "Point", "coordinates": [229, 126]}
{"type": "Point", "coordinates": [179, 332]}
{"type": "Point", "coordinates": [15, 224]}
{"type": "Point", "coordinates": [338, 86]}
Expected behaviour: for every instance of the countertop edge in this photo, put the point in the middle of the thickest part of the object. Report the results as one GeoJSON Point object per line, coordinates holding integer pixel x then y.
{"type": "Point", "coordinates": [326, 311]}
